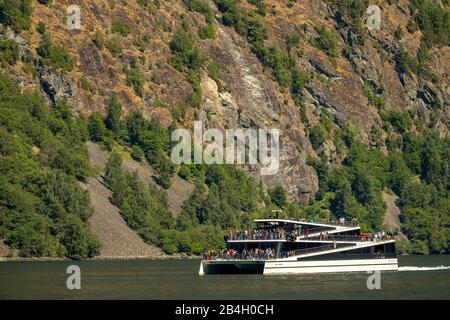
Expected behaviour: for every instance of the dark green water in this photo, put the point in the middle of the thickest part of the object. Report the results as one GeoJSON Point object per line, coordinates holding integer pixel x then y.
{"type": "Point", "coordinates": [178, 279]}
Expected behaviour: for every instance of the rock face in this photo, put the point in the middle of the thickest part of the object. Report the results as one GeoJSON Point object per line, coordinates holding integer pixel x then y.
{"type": "Point", "coordinates": [392, 215]}
{"type": "Point", "coordinates": [54, 85]}
{"type": "Point", "coordinates": [253, 102]}
{"type": "Point", "coordinates": [245, 95]}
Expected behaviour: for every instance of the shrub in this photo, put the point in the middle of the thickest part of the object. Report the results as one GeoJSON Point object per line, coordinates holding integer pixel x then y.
{"type": "Point", "coordinates": [185, 55]}
{"type": "Point", "coordinates": [214, 70]}
{"type": "Point", "coordinates": [433, 21]}
{"type": "Point", "coordinates": [137, 153]}
{"type": "Point", "coordinates": [292, 40]}
{"type": "Point", "coordinates": [327, 41]}
{"type": "Point", "coordinates": [40, 27]}
{"type": "Point", "coordinates": [135, 79]}
{"type": "Point", "coordinates": [143, 3]}
{"type": "Point", "coordinates": [260, 6]}
{"type": "Point", "coordinates": [86, 84]}
{"type": "Point", "coordinates": [202, 7]}
{"type": "Point", "coordinates": [299, 79]}
{"type": "Point", "coordinates": [278, 196]}
{"type": "Point", "coordinates": [142, 41]}
{"type": "Point", "coordinates": [195, 97]}
{"type": "Point", "coordinates": [164, 179]}
{"type": "Point", "coordinates": [16, 14]}
{"type": "Point", "coordinates": [99, 40]}
{"type": "Point", "coordinates": [120, 27]}
{"type": "Point", "coordinates": [185, 172]}
{"type": "Point", "coordinates": [9, 51]}
{"type": "Point", "coordinates": [207, 32]}
{"type": "Point", "coordinates": [317, 136]}
{"type": "Point", "coordinates": [97, 129]}
{"type": "Point", "coordinates": [373, 98]}
{"type": "Point", "coordinates": [274, 58]}
{"type": "Point", "coordinates": [114, 45]}
{"type": "Point", "coordinates": [55, 56]}
{"type": "Point", "coordinates": [114, 112]}
{"type": "Point", "coordinates": [406, 63]}
{"type": "Point", "coordinates": [400, 121]}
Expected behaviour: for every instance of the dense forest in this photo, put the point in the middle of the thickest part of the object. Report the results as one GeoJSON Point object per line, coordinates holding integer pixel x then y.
{"type": "Point", "coordinates": [44, 211]}
{"type": "Point", "coordinates": [416, 169]}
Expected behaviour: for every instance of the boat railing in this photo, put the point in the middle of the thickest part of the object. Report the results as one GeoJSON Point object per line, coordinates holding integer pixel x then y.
{"type": "Point", "coordinates": [274, 236]}
{"type": "Point", "coordinates": [351, 238]}
{"type": "Point", "coordinates": [239, 256]}
{"type": "Point", "coordinates": [323, 237]}
{"type": "Point", "coordinates": [338, 223]}
{"type": "Point", "coordinates": [286, 254]}
{"type": "Point", "coordinates": [268, 256]}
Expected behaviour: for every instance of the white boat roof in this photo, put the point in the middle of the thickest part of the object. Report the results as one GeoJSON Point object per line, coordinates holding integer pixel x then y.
{"type": "Point", "coordinates": [319, 224]}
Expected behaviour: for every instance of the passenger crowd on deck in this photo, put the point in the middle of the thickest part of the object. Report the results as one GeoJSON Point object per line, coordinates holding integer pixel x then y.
{"type": "Point", "coordinates": [258, 234]}
{"type": "Point", "coordinates": [250, 254]}
{"type": "Point", "coordinates": [282, 234]}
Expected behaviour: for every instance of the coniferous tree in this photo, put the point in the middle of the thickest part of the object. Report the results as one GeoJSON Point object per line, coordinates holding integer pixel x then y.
{"type": "Point", "coordinates": [112, 120]}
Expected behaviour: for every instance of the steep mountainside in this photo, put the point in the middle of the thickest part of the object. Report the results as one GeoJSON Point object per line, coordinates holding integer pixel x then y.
{"type": "Point", "coordinates": [360, 110]}
{"type": "Point", "coordinates": [238, 90]}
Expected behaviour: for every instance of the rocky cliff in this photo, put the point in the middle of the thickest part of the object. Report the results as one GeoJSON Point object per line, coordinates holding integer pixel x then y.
{"type": "Point", "coordinates": [349, 71]}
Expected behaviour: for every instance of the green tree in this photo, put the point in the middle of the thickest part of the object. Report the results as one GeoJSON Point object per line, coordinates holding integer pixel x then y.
{"type": "Point", "coordinates": [327, 41]}
{"type": "Point", "coordinates": [44, 210]}
{"type": "Point", "coordinates": [278, 196]}
{"type": "Point", "coordinates": [97, 129]}
{"type": "Point", "coordinates": [120, 27]}
{"type": "Point", "coordinates": [185, 55]}
{"type": "Point", "coordinates": [114, 112]}
{"type": "Point", "coordinates": [9, 51]}
{"type": "Point", "coordinates": [16, 14]}
{"type": "Point", "coordinates": [137, 153]}
{"type": "Point", "coordinates": [55, 56]}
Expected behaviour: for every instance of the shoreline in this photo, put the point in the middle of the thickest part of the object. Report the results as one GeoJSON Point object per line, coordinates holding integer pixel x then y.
{"type": "Point", "coordinates": [47, 259]}
{"type": "Point", "coordinates": [165, 257]}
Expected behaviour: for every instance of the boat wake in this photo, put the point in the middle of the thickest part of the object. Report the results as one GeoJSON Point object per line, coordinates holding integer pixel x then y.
{"type": "Point", "coordinates": [414, 268]}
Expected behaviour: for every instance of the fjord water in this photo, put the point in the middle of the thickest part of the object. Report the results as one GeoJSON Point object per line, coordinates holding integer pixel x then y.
{"type": "Point", "coordinates": [420, 277]}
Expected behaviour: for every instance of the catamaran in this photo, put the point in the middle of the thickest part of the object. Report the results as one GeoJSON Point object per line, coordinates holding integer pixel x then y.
{"type": "Point", "coordinates": [284, 246]}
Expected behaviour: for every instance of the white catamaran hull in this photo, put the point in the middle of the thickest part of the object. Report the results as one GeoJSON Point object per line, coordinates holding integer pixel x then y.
{"type": "Point", "coordinates": [286, 266]}
{"type": "Point", "coordinates": [297, 267]}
